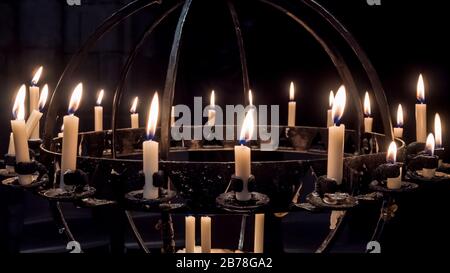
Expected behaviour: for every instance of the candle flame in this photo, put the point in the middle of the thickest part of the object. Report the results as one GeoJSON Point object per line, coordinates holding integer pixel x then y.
{"type": "Point", "coordinates": [430, 145]}
{"type": "Point", "coordinates": [75, 99]}
{"type": "Point", "coordinates": [438, 130]}
{"type": "Point", "coordinates": [420, 90]}
{"type": "Point", "coordinates": [331, 99]}
{"type": "Point", "coordinates": [134, 105]}
{"type": "Point", "coordinates": [213, 99]}
{"type": "Point", "coordinates": [247, 128]}
{"type": "Point", "coordinates": [43, 97]}
{"type": "Point", "coordinates": [391, 156]}
{"type": "Point", "coordinates": [337, 110]}
{"type": "Point", "coordinates": [37, 76]}
{"type": "Point", "coordinates": [250, 97]}
{"type": "Point", "coordinates": [19, 104]}
{"type": "Point", "coordinates": [400, 116]}
{"type": "Point", "coordinates": [291, 91]}
{"type": "Point", "coordinates": [153, 117]}
{"type": "Point", "coordinates": [367, 110]}
{"type": "Point", "coordinates": [100, 97]}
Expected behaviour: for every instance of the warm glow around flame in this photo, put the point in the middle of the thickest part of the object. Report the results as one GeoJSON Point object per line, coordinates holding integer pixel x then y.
{"type": "Point", "coordinates": [247, 128]}
{"type": "Point", "coordinates": [75, 99]}
{"type": "Point", "coordinates": [37, 76]}
{"type": "Point", "coordinates": [100, 97]}
{"type": "Point", "coordinates": [331, 99]}
{"type": "Point", "coordinates": [134, 105]}
{"type": "Point", "coordinates": [430, 144]}
{"type": "Point", "coordinates": [213, 99]}
{"type": "Point", "coordinates": [438, 130]}
{"type": "Point", "coordinates": [43, 97]}
{"type": "Point", "coordinates": [400, 116]}
{"type": "Point", "coordinates": [19, 103]}
{"type": "Point", "coordinates": [339, 104]}
{"type": "Point", "coordinates": [420, 90]}
{"type": "Point", "coordinates": [250, 97]}
{"type": "Point", "coordinates": [291, 91]}
{"type": "Point", "coordinates": [153, 116]}
{"type": "Point", "coordinates": [367, 110]}
{"type": "Point", "coordinates": [391, 156]}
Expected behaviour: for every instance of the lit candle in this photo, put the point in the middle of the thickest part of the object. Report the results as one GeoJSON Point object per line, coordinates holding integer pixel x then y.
{"type": "Point", "coordinates": [258, 246]}
{"type": "Point", "coordinates": [33, 120]}
{"type": "Point", "coordinates": [70, 134]}
{"type": "Point", "coordinates": [151, 148]}
{"type": "Point", "coordinates": [134, 114]}
{"type": "Point", "coordinates": [336, 135]}
{"type": "Point", "coordinates": [398, 130]}
{"type": "Point", "coordinates": [292, 106]}
{"type": "Point", "coordinates": [421, 112]}
{"type": "Point", "coordinates": [34, 99]}
{"type": "Point", "coordinates": [98, 112]}
{"type": "Point", "coordinates": [391, 158]}
{"type": "Point", "coordinates": [206, 234]}
{"type": "Point", "coordinates": [329, 112]}
{"type": "Point", "coordinates": [368, 120]}
{"type": "Point", "coordinates": [429, 150]}
{"type": "Point", "coordinates": [242, 157]}
{"type": "Point", "coordinates": [20, 133]}
{"type": "Point", "coordinates": [212, 110]}
{"type": "Point", "coordinates": [190, 234]}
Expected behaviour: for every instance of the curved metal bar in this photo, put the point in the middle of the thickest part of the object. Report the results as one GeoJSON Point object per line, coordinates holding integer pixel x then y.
{"type": "Point", "coordinates": [374, 79]}
{"type": "Point", "coordinates": [329, 240]}
{"type": "Point", "coordinates": [338, 62]}
{"type": "Point", "coordinates": [76, 59]}
{"type": "Point", "coordinates": [240, 42]}
{"type": "Point", "coordinates": [126, 69]}
{"type": "Point", "coordinates": [171, 78]}
{"type": "Point", "coordinates": [60, 219]}
{"type": "Point", "coordinates": [136, 233]}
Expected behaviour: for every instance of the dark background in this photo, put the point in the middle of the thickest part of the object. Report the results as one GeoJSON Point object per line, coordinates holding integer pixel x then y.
{"type": "Point", "coordinates": [402, 39]}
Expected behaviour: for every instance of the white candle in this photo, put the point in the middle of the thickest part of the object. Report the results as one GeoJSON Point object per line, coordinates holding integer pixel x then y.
{"type": "Point", "coordinates": [134, 115]}
{"type": "Point", "coordinates": [11, 152]}
{"type": "Point", "coordinates": [368, 120]}
{"type": "Point", "coordinates": [34, 100]}
{"type": "Point", "coordinates": [190, 234]}
{"type": "Point", "coordinates": [336, 138]}
{"type": "Point", "coordinates": [391, 158]}
{"type": "Point", "coordinates": [398, 130]}
{"type": "Point", "coordinates": [172, 117]}
{"type": "Point", "coordinates": [259, 234]}
{"type": "Point", "coordinates": [438, 131]}
{"type": "Point", "coordinates": [430, 145]}
{"type": "Point", "coordinates": [206, 234]}
{"type": "Point", "coordinates": [292, 106]}
{"type": "Point", "coordinates": [36, 115]}
{"type": "Point", "coordinates": [421, 112]}
{"type": "Point", "coordinates": [150, 151]}
{"type": "Point", "coordinates": [20, 134]}
{"type": "Point", "coordinates": [98, 112]}
{"type": "Point", "coordinates": [70, 134]}
{"type": "Point", "coordinates": [212, 111]}
{"type": "Point", "coordinates": [61, 133]}
{"type": "Point", "coordinates": [242, 157]}
{"type": "Point", "coordinates": [330, 112]}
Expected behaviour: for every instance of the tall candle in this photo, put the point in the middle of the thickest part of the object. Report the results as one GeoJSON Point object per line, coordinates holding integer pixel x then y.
{"type": "Point", "coordinates": [11, 152]}
{"type": "Point", "coordinates": [34, 100]}
{"type": "Point", "coordinates": [242, 157]}
{"type": "Point", "coordinates": [134, 114]}
{"type": "Point", "coordinates": [98, 112]}
{"type": "Point", "coordinates": [336, 135]}
{"type": "Point", "coordinates": [20, 134]}
{"type": "Point", "coordinates": [391, 158]}
{"type": "Point", "coordinates": [212, 110]}
{"type": "Point", "coordinates": [292, 106]}
{"type": "Point", "coordinates": [70, 134]}
{"type": "Point", "coordinates": [190, 234]}
{"type": "Point", "coordinates": [329, 112]}
{"type": "Point", "coordinates": [33, 120]}
{"type": "Point", "coordinates": [368, 120]}
{"type": "Point", "coordinates": [150, 151]}
{"type": "Point", "coordinates": [259, 234]}
{"type": "Point", "coordinates": [421, 112]}
{"type": "Point", "coordinates": [206, 234]}
{"type": "Point", "coordinates": [398, 129]}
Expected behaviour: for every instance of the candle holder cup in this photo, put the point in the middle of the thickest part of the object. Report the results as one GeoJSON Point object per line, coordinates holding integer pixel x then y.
{"type": "Point", "coordinates": [329, 195]}
{"type": "Point", "coordinates": [9, 162]}
{"type": "Point", "coordinates": [37, 171]}
{"type": "Point", "coordinates": [75, 187]}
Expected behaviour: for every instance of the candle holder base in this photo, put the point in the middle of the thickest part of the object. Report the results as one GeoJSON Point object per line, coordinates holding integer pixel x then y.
{"type": "Point", "coordinates": [168, 201]}
{"type": "Point", "coordinates": [332, 201]}
{"type": "Point", "coordinates": [378, 186]}
{"type": "Point", "coordinates": [417, 176]}
{"type": "Point", "coordinates": [92, 202]}
{"type": "Point", "coordinates": [227, 201]}
{"type": "Point", "coordinates": [67, 195]}
{"type": "Point", "coordinates": [37, 182]}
